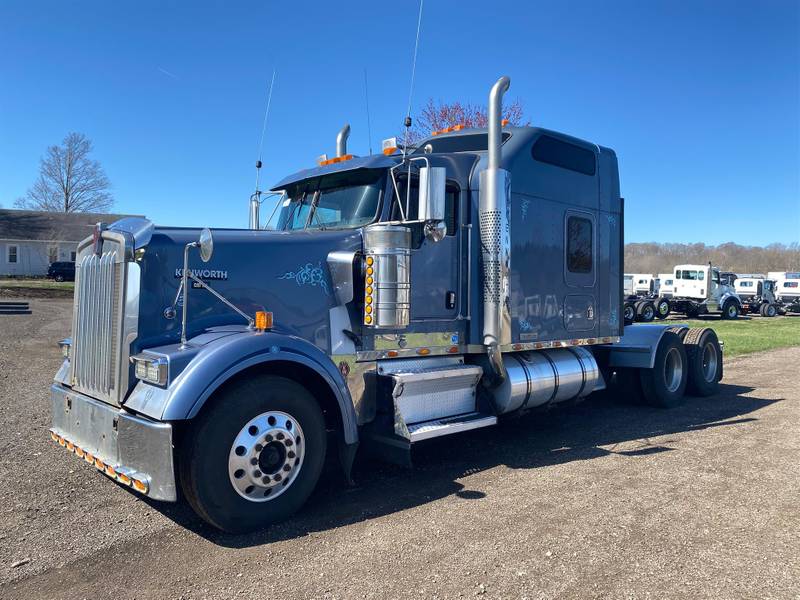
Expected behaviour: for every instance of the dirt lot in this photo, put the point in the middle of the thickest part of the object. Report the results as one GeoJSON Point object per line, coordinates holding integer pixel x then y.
{"type": "Point", "coordinates": [598, 500]}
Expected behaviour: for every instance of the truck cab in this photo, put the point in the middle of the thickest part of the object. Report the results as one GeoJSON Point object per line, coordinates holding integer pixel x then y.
{"type": "Point", "coordinates": [700, 289]}
{"type": "Point", "coordinates": [757, 295]}
{"type": "Point", "coordinates": [666, 284]}
{"type": "Point", "coordinates": [787, 290]}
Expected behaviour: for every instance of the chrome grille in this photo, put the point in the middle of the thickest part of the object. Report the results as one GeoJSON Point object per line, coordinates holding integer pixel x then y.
{"type": "Point", "coordinates": [96, 324]}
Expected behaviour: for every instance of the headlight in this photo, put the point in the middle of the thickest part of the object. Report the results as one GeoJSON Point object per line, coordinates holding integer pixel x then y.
{"type": "Point", "coordinates": [66, 347]}
{"type": "Point", "coordinates": [151, 369]}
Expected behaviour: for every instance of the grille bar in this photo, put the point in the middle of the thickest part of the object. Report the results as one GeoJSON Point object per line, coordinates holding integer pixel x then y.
{"type": "Point", "coordinates": [96, 323]}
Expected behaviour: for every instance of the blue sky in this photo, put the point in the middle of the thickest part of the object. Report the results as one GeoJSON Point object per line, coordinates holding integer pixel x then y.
{"type": "Point", "coordinates": [700, 100]}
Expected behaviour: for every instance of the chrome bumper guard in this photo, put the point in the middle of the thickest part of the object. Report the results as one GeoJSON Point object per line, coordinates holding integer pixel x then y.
{"type": "Point", "coordinates": [136, 452]}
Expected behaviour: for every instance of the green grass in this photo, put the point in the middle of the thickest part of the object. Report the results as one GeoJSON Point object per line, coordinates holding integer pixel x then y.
{"type": "Point", "coordinates": [756, 334]}
{"type": "Point", "coordinates": [39, 284]}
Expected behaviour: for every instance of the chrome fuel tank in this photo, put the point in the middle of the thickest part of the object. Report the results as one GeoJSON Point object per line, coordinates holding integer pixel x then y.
{"type": "Point", "coordinates": [547, 377]}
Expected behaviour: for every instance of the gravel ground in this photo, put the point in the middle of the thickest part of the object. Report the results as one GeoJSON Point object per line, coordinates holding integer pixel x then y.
{"type": "Point", "coordinates": [597, 500]}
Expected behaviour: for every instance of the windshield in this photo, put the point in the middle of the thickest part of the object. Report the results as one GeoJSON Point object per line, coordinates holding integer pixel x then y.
{"type": "Point", "coordinates": [335, 201]}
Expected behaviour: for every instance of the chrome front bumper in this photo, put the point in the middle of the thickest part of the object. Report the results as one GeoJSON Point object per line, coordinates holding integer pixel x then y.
{"type": "Point", "coordinates": [134, 451]}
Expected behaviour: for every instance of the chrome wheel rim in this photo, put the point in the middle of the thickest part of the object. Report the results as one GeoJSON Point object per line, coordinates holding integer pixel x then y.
{"type": "Point", "coordinates": [663, 308]}
{"type": "Point", "coordinates": [673, 370]}
{"type": "Point", "coordinates": [648, 313]}
{"type": "Point", "coordinates": [732, 311]}
{"type": "Point", "coordinates": [266, 456]}
{"type": "Point", "coordinates": [629, 313]}
{"type": "Point", "coordinates": [710, 362]}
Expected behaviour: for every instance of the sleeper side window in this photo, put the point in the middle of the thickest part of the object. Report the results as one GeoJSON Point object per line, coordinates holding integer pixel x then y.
{"type": "Point", "coordinates": [579, 245]}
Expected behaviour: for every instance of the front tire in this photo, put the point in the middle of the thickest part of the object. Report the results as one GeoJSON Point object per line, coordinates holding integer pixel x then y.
{"type": "Point", "coordinates": [662, 308]}
{"type": "Point", "coordinates": [59, 278]}
{"type": "Point", "coordinates": [770, 310]}
{"type": "Point", "coordinates": [730, 310]}
{"type": "Point", "coordinates": [255, 455]}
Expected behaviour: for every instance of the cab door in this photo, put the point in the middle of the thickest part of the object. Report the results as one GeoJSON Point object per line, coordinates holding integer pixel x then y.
{"type": "Point", "coordinates": [435, 266]}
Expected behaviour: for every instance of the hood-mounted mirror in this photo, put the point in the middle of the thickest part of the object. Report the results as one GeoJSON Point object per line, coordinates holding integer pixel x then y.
{"type": "Point", "coordinates": [206, 244]}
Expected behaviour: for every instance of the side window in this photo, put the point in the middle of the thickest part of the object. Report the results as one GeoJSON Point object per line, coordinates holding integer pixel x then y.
{"type": "Point", "coordinates": [715, 276]}
{"type": "Point", "coordinates": [579, 245]}
{"type": "Point", "coordinates": [451, 200]}
{"type": "Point", "coordinates": [11, 254]}
{"type": "Point", "coordinates": [52, 254]}
{"type": "Point", "coordinates": [701, 275]}
{"type": "Point", "coordinates": [72, 256]}
{"type": "Point", "coordinates": [563, 154]}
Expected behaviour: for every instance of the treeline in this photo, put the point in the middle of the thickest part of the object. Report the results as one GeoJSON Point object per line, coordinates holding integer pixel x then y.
{"type": "Point", "coordinates": [661, 258]}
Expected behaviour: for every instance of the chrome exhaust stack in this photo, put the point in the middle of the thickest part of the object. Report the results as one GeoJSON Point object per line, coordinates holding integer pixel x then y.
{"type": "Point", "coordinates": [341, 140]}
{"type": "Point", "coordinates": [495, 187]}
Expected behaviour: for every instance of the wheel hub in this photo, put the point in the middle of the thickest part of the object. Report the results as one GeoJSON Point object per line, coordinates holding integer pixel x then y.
{"type": "Point", "coordinates": [673, 370]}
{"type": "Point", "coordinates": [266, 456]}
{"type": "Point", "coordinates": [709, 362]}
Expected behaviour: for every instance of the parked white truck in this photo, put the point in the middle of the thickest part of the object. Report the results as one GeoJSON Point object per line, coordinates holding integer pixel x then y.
{"type": "Point", "coordinates": [787, 290]}
{"type": "Point", "coordinates": [757, 295]}
{"type": "Point", "coordinates": [666, 284]}
{"type": "Point", "coordinates": [643, 301]}
{"type": "Point", "coordinates": [699, 289]}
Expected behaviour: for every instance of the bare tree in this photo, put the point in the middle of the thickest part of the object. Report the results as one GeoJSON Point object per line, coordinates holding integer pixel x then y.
{"type": "Point", "coordinates": [69, 181]}
{"type": "Point", "coordinates": [440, 115]}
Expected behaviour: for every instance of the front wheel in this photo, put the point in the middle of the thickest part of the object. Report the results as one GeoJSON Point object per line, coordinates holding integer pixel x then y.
{"type": "Point", "coordinates": [730, 310]}
{"type": "Point", "coordinates": [59, 278]}
{"type": "Point", "coordinates": [255, 455]}
{"type": "Point", "coordinates": [770, 310]}
{"type": "Point", "coordinates": [662, 308]}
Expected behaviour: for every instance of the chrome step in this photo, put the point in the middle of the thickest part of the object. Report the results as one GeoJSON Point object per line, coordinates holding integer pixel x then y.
{"type": "Point", "coordinates": [438, 427]}
{"type": "Point", "coordinates": [429, 394]}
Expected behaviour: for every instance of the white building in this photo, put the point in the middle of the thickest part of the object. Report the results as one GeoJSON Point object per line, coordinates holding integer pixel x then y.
{"type": "Point", "coordinates": [30, 240]}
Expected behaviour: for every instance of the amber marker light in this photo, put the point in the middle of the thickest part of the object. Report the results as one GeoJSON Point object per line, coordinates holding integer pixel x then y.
{"type": "Point", "coordinates": [140, 486]}
{"type": "Point", "coordinates": [124, 479]}
{"type": "Point", "coordinates": [263, 320]}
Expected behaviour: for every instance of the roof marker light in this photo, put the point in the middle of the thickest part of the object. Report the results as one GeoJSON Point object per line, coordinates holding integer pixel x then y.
{"type": "Point", "coordinates": [389, 146]}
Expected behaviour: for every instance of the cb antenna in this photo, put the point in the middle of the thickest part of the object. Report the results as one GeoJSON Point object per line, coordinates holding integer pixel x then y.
{"type": "Point", "coordinates": [366, 98]}
{"type": "Point", "coordinates": [255, 199]}
{"type": "Point", "coordinates": [411, 87]}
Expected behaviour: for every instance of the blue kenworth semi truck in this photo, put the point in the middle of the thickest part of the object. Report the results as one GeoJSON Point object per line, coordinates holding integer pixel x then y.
{"type": "Point", "coordinates": [394, 298]}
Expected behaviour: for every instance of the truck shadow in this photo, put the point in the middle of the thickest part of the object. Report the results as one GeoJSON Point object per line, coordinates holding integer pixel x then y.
{"type": "Point", "coordinates": [584, 431]}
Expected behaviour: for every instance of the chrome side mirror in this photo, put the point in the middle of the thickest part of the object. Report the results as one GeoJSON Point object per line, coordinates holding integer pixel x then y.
{"type": "Point", "coordinates": [431, 193]}
{"type": "Point", "coordinates": [206, 244]}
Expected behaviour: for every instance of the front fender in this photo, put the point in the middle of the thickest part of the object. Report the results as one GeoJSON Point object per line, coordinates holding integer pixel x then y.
{"type": "Point", "coordinates": [727, 295]}
{"type": "Point", "coordinates": [217, 361]}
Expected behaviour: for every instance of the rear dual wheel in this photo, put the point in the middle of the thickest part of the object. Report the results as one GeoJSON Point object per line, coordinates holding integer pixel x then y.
{"type": "Point", "coordinates": [705, 361]}
{"type": "Point", "coordinates": [645, 311]}
{"type": "Point", "coordinates": [768, 310]}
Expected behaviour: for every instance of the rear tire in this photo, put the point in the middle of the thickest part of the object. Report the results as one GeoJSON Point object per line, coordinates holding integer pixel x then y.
{"type": "Point", "coordinates": [629, 313]}
{"type": "Point", "coordinates": [730, 310]}
{"type": "Point", "coordinates": [704, 356]}
{"type": "Point", "coordinates": [275, 429]}
{"type": "Point", "coordinates": [664, 385]}
{"type": "Point", "coordinates": [646, 311]}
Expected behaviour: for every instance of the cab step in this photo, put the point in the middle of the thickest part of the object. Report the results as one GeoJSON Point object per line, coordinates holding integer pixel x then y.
{"type": "Point", "coordinates": [438, 427]}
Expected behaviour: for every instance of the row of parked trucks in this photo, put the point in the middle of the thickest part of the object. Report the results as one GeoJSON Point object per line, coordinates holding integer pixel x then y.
{"type": "Point", "coordinates": [694, 290]}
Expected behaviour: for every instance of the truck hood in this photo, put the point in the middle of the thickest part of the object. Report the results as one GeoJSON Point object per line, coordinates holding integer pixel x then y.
{"type": "Point", "coordinates": [285, 273]}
